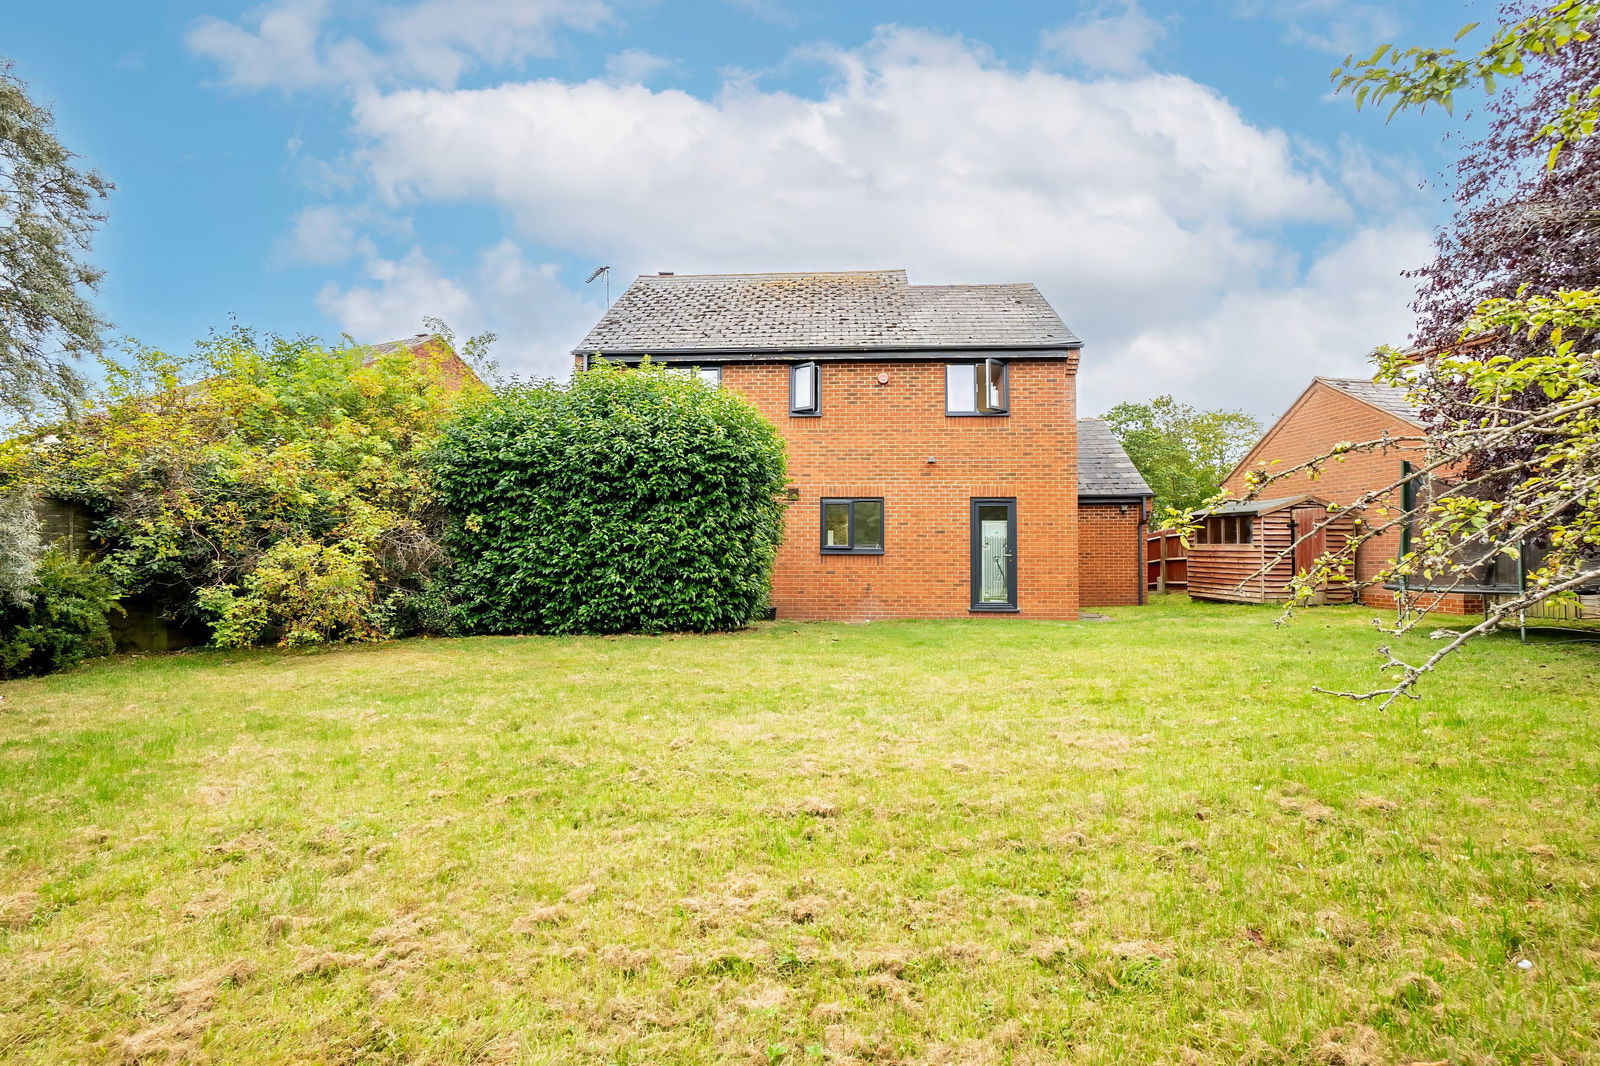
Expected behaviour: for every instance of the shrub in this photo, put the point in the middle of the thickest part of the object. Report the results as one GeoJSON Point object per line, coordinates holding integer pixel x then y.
{"type": "Point", "coordinates": [280, 494]}
{"type": "Point", "coordinates": [625, 501]}
{"type": "Point", "coordinates": [62, 621]}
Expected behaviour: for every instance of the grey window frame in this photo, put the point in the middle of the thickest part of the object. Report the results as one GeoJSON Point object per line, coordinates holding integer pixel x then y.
{"type": "Point", "coordinates": [822, 529]}
{"type": "Point", "coordinates": [975, 550]}
{"type": "Point", "coordinates": [984, 365]}
{"type": "Point", "coordinates": [815, 370]}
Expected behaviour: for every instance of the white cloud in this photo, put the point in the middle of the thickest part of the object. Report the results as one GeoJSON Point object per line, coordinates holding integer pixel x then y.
{"type": "Point", "coordinates": [300, 44]}
{"type": "Point", "coordinates": [330, 234]}
{"type": "Point", "coordinates": [283, 49]}
{"type": "Point", "coordinates": [1260, 345]}
{"type": "Point", "coordinates": [1151, 213]}
{"type": "Point", "coordinates": [1144, 207]}
{"type": "Point", "coordinates": [536, 318]}
{"type": "Point", "coordinates": [1338, 27]}
{"type": "Point", "coordinates": [635, 67]}
{"type": "Point", "coordinates": [1111, 37]}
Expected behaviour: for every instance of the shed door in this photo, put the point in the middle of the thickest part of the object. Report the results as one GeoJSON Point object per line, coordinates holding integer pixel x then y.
{"type": "Point", "coordinates": [1308, 551]}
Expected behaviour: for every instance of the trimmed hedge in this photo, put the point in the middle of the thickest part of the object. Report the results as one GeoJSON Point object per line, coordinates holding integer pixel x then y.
{"type": "Point", "coordinates": [623, 501]}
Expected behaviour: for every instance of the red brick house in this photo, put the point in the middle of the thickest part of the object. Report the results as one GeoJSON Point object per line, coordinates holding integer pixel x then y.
{"type": "Point", "coordinates": [1347, 409]}
{"type": "Point", "coordinates": [932, 433]}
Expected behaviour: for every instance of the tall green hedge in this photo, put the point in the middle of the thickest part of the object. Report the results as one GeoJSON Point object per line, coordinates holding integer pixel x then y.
{"type": "Point", "coordinates": [623, 501]}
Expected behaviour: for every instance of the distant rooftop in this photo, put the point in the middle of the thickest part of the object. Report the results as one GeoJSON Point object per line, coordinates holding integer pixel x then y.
{"type": "Point", "coordinates": [1384, 397]}
{"type": "Point", "coordinates": [404, 344]}
{"type": "Point", "coordinates": [861, 310]}
{"type": "Point", "coordinates": [1104, 468]}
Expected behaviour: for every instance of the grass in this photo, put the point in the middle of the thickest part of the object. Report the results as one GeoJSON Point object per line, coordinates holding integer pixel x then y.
{"type": "Point", "coordinates": [1141, 840]}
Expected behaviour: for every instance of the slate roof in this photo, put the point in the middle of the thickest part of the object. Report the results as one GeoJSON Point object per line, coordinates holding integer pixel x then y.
{"type": "Point", "coordinates": [860, 310]}
{"type": "Point", "coordinates": [1383, 397]}
{"type": "Point", "coordinates": [1104, 469]}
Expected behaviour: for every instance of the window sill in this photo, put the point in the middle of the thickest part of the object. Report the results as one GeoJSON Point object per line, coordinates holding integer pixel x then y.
{"type": "Point", "coordinates": [852, 551]}
{"type": "Point", "coordinates": [805, 414]}
{"type": "Point", "coordinates": [994, 608]}
{"type": "Point", "coordinates": [977, 414]}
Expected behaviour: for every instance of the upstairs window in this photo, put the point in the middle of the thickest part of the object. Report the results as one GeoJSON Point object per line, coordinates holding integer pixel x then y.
{"type": "Point", "coordinates": [853, 527]}
{"type": "Point", "coordinates": [977, 388]}
{"type": "Point", "coordinates": [711, 375]}
{"type": "Point", "coordinates": [805, 389]}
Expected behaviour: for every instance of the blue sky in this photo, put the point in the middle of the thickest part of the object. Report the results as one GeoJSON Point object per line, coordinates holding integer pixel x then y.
{"type": "Point", "coordinates": [1174, 176]}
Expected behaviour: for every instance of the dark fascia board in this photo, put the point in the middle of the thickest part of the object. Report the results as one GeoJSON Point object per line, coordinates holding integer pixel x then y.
{"type": "Point", "coordinates": [1125, 498]}
{"type": "Point", "coordinates": [709, 356]}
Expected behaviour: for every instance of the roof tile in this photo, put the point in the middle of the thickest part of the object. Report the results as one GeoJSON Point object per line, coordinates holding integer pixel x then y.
{"type": "Point", "coordinates": [1104, 468]}
{"type": "Point", "coordinates": [841, 311]}
{"type": "Point", "coordinates": [1384, 397]}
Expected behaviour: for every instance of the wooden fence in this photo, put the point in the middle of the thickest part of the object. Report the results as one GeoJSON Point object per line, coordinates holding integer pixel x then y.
{"type": "Point", "coordinates": [1166, 563]}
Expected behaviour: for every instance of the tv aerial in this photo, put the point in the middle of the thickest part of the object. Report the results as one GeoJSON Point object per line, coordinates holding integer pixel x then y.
{"type": "Point", "coordinates": [601, 272]}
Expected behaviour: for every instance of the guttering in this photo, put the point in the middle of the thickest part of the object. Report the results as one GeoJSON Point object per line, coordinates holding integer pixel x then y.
{"type": "Point", "coordinates": [806, 355]}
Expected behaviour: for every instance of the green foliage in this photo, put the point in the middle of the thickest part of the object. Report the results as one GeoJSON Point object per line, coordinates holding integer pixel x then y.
{"type": "Point", "coordinates": [281, 493]}
{"type": "Point", "coordinates": [1183, 453]}
{"type": "Point", "coordinates": [627, 500]}
{"type": "Point", "coordinates": [48, 212]}
{"type": "Point", "coordinates": [1416, 77]}
{"type": "Point", "coordinates": [20, 545]}
{"type": "Point", "coordinates": [62, 620]}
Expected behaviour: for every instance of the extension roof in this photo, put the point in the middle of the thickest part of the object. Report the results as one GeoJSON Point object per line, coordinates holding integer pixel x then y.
{"type": "Point", "coordinates": [861, 311]}
{"type": "Point", "coordinates": [1104, 468]}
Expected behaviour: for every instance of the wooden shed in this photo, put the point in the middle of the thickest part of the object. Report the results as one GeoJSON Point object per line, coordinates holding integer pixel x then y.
{"type": "Point", "coordinates": [1235, 543]}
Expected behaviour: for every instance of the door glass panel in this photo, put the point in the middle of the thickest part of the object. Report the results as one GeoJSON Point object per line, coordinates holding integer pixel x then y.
{"type": "Point", "coordinates": [994, 547]}
{"type": "Point", "coordinates": [869, 524]}
{"type": "Point", "coordinates": [836, 525]}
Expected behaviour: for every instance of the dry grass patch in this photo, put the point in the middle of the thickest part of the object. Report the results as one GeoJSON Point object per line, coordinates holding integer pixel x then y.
{"type": "Point", "coordinates": [1141, 841]}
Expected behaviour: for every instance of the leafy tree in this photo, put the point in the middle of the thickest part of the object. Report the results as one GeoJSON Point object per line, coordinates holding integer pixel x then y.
{"type": "Point", "coordinates": [49, 209]}
{"type": "Point", "coordinates": [273, 488]}
{"type": "Point", "coordinates": [626, 500]}
{"type": "Point", "coordinates": [1505, 368]}
{"type": "Point", "coordinates": [1183, 453]}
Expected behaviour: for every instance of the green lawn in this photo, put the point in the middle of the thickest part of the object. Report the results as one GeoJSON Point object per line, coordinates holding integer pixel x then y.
{"type": "Point", "coordinates": [1141, 840]}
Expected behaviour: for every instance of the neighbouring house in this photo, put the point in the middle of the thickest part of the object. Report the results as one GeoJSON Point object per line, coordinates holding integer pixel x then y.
{"type": "Point", "coordinates": [434, 353]}
{"type": "Point", "coordinates": [1241, 552]}
{"type": "Point", "coordinates": [932, 435]}
{"type": "Point", "coordinates": [1329, 411]}
{"type": "Point", "coordinates": [1113, 511]}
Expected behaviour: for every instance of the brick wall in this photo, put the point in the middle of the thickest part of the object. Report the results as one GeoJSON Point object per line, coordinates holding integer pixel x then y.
{"type": "Point", "coordinates": [1321, 418]}
{"type": "Point", "coordinates": [1110, 554]}
{"type": "Point", "coordinates": [876, 439]}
